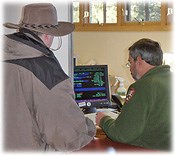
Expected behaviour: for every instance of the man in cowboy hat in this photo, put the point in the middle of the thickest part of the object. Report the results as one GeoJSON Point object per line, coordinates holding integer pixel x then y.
{"type": "Point", "coordinates": [40, 112]}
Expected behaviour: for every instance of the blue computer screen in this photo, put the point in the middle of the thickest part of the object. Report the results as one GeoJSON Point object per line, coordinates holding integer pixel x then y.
{"type": "Point", "coordinates": [91, 86]}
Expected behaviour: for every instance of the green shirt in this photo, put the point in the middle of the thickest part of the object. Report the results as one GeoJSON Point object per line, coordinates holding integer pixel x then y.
{"type": "Point", "coordinates": [145, 117]}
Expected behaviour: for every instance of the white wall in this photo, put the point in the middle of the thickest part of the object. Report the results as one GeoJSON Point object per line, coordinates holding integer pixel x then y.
{"type": "Point", "coordinates": [64, 54]}
{"type": "Point", "coordinates": [112, 48]}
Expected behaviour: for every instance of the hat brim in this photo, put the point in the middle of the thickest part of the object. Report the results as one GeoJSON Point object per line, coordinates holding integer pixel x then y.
{"type": "Point", "coordinates": [62, 29]}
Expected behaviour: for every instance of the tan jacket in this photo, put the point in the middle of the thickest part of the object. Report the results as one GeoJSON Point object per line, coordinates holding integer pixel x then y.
{"type": "Point", "coordinates": [38, 114]}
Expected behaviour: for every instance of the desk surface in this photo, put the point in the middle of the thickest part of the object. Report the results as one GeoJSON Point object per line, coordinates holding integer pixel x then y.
{"type": "Point", "coordinates": [106, 145]}
{"type": "Point", "coordinates": [103, 144]}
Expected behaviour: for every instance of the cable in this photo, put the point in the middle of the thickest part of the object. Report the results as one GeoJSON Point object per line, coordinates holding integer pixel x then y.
{"type": "Point", "coordinates": [59, 44]}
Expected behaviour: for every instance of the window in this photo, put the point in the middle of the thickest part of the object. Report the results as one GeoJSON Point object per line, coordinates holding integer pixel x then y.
{"type": "Point", "coordinates": [143, 11]}
{"type": "Point", "coordinates": [76, 12]}
{"type": "Point", "coordinates": [122, 15]}
{"type": "Point", "coordinates": [102, 12]}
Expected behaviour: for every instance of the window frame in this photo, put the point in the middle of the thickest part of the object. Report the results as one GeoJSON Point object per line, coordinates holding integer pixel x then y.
{"type": "Point", "coordinates": [121, 25]}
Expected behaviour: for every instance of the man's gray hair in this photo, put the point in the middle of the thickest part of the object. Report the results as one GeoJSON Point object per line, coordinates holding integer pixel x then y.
{"type": "Point", "coordinates": [149, 50]}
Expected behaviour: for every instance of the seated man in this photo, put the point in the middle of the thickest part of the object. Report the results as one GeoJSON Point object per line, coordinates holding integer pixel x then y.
{"type": "Point", "coordinates": [145, 117]}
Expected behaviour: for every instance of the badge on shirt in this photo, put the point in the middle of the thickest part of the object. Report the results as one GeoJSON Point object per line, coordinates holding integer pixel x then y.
{"type": "Point", "coordinates": [130, 94]}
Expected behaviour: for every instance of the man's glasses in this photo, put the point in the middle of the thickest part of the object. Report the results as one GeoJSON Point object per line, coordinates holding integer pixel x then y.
{"type": "Point", "coordinates": [128, 64]}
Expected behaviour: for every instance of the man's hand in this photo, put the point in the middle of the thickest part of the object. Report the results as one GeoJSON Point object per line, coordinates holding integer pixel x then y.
{"type": "Point", "coordinates": [99, 116]}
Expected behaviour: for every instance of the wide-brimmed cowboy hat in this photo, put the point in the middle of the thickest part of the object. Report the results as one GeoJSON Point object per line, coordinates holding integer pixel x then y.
{"type": "Point", "coordinates": [42, 17]}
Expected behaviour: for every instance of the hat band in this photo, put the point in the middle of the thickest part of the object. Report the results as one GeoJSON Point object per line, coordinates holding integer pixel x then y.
{"type": "Point", "coordinates": [43, 26]}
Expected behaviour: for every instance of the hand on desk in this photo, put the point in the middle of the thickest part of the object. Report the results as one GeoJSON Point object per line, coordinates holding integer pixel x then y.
{"type": "Point", "coordinates": [102, 143]}
{"type": "Point", "coordinates": [99, 116]}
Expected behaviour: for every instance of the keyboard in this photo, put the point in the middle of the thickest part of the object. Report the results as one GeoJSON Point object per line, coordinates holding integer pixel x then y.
{"type": "Point", "coordinates": [110, 112]}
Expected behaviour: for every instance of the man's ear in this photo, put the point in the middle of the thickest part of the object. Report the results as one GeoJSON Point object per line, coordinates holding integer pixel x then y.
{"type": "Point", "coordinates": [45, 36]}
{"type": "Point", "coordinates": [139, 60]}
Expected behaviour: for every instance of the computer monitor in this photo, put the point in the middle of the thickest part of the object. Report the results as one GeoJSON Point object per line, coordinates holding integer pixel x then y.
{"type": "Point", "coordinates": [91, 86]}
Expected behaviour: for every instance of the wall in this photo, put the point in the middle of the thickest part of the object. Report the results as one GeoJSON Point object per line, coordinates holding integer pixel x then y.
{"type": "Point", "coordinates": [111, 48]}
